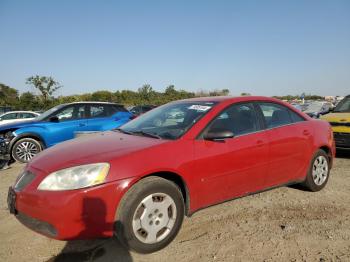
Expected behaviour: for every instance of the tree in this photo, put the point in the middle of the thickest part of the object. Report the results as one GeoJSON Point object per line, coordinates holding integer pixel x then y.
{"type": "Point", "coordinates": [245, 94]}
{"type": "Point", "coordinates": [103, 95]}
{"type": "Point", "coordinates": [46, 85]}
{"type": "Point", "coordinates": [146, 93]}
{"type": "Point", "coordinates": [28, 101]}
{"type": "Point", "coordinates": [8, 95]}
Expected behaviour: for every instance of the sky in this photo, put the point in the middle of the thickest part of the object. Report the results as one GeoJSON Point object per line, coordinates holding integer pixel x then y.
{"type": "Point", "coordinates": [262, 47]}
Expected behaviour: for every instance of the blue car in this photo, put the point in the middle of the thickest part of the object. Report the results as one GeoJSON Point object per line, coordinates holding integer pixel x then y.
{"type": "Point", "coordinates": [23, 140]}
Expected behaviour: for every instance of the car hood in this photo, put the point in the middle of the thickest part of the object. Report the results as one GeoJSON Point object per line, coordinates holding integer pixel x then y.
{"type": "Point", "coordinates": [93, 148]}
{"type": "Point", "coordinates": [337, 117]}
{"type": "Point", "coordinates": [17, 124]}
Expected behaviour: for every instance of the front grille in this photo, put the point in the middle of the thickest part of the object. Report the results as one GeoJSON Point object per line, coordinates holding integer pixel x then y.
{"type": "Point", "coordinates": [342, 139]}
{"type": "Point", "coordinates": [25, 179]}
{"type": "Point", "coordinates": [37, 225]}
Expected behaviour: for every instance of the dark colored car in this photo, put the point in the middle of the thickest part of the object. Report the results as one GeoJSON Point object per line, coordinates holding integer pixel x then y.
{"type": "Point", "coordinates": [138, 182]}
{"type": "Point", "coordinates": [27, 138]}
{"type": "Point", "coordinates": [139, 110]}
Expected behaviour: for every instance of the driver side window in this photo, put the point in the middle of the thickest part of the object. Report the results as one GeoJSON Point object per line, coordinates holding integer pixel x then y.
{"type": "Point", "coordinates": [71, 113]}
{"type": "Point", "coordinates": [240, 119]}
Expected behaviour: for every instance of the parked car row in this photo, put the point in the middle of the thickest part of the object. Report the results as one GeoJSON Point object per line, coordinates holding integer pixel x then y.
{"type": "Point", "coordinates": [21, 141]}
{"type": "Point", "coordinates": [138, 182]}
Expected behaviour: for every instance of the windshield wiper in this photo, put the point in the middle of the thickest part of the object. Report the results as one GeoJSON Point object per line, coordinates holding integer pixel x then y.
{"type": "Point", "coordinates": [147, 134]}
{"type": "Point", "coordinates": [138, 132]}
{"type": "Point", "coordinates": [123, 131]}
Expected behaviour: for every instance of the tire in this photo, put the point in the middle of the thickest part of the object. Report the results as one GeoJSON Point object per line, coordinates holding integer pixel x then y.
{"type": "Point", "coordinates": [4, 164]}
{"type": "Point", "coordinates": [318, 173]}
{"type": "Point", "coordinates": [149, 215]}
{"type": "Point", "coordinates": [25, 149]}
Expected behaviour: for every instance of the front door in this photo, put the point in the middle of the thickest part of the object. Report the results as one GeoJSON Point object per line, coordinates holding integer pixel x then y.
{"type": "Point", "coordinates": [236, 166]}
{"type": "Point", "coordinates": [71, 119]}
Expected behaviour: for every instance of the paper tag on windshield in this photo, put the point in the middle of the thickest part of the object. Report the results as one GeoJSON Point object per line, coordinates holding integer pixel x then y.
{"type": "Point", "coordinates": [199, 107]}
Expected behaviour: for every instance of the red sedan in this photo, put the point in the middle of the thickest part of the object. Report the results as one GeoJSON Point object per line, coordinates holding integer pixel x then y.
{"type": "Point", "coordinates": [138, 182]}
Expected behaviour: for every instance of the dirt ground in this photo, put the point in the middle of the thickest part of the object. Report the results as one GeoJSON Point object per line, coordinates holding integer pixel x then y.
{"type": "Point", "coordinates": [284, 224]}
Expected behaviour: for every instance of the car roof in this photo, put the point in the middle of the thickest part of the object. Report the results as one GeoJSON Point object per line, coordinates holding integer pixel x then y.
{"type": "Point", "coordinates": [219, 99]}
{"type": "Point", "coordinates": [20, 112]}
{"type": "Point", "coordinates": [93, 102]}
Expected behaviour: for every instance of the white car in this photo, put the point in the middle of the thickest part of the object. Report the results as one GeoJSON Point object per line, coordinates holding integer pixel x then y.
{"type": "Point", "coordinates": [15, 116]}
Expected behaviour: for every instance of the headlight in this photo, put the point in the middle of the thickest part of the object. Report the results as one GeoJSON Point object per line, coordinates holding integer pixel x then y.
{"type": "Point", "coordinates": [75, 177]}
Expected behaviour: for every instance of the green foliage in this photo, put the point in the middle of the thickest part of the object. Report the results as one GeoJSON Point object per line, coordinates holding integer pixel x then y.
{"type": "Point", "coordinates": [144, 95]}
{"type": "Point", "coordinates": [46, 85]}
{"type": "Point", "coordinates": [8, 96]}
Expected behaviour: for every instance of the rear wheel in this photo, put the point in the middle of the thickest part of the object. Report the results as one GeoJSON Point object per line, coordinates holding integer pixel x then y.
{"type": "Point", "coordinates": [318, 173]}
{"type": "Point", "coordinates": [150, 215]}
{"type": "Point", "coordinates": [25, 149]}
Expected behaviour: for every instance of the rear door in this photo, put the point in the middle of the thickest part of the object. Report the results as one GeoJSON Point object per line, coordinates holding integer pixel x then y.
{"type": "Point", "coordinates": [290, 143]}
{"type": "Point", "coordinates": [102, 117]}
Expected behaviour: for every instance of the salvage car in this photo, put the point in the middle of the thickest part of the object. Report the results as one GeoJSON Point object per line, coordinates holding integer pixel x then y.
{"type": "Point", "coordinates": [137, 182]}
{"type": "Point", "coordinates": [340, 122]}
{"type": "Point", "coordinates": [26, 139]}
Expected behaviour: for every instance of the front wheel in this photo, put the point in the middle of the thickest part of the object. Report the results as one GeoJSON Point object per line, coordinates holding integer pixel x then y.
{"type": "Point", "coordinates": [150, 215]}
{"type": "Point", "coordinates": [25, 149]}
{"type": "Point", "coordinates": [318, 173]}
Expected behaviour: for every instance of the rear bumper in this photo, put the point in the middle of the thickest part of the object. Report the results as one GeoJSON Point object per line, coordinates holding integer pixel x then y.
{"type": "Point", "coordinates": [75, 214]}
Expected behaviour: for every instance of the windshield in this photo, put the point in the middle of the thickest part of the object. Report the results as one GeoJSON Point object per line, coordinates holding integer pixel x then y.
{"type": "Point", "coordinates": [343, 106]}
{"type": "Point", "coordinates": [169, 121]}
{"type": "Point", "coordinates": [44, 115]}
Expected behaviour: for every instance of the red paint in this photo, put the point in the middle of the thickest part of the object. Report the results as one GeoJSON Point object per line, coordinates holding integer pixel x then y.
{"type": "Point", "coordinates": [212, 171]}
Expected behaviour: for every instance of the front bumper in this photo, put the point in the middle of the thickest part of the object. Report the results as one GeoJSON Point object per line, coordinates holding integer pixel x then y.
{"type": "Point", "coordinates": [67, 215]}
{"type": "Point", "coordinates": [342, 140]}
{"type": "Point", "coordinates": [4, 149]}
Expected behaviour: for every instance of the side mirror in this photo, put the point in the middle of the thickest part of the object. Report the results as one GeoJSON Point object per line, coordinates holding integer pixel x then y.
{"type": "Point", "coordinates": [217, 135]}
{"type": "Point", "coordinates": [54, 119]}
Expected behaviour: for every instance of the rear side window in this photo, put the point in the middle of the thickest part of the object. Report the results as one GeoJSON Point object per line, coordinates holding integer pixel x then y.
{"type": "Point", "coordinates": [9, 116]}
{"type": "Point", "coordinates": [26, 115]}
{"type": "Point", "coordinates": [117, 108]}
{"type": "Point", "coordinates": [240, 119]}
{"type": "Point", "coordinates": [275, 115]}
{"type": "Point", "coordinates": [98, 111]}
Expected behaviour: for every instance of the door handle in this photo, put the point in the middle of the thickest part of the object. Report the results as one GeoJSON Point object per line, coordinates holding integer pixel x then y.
{"type": "Point", "coordinates": [82, 124]}
{"type": "Point", "coordinates": [306, 132]}
{"type": "Point", "coordinates": [259, 143]}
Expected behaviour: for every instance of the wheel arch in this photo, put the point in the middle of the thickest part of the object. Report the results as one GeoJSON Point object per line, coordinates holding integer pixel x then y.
{"type": "Point", "coordinates": [27, 135]}
{"type": "Point", "coordinates": [179, 181]}
{"type": "Point", "coordinates": [328, 151]}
